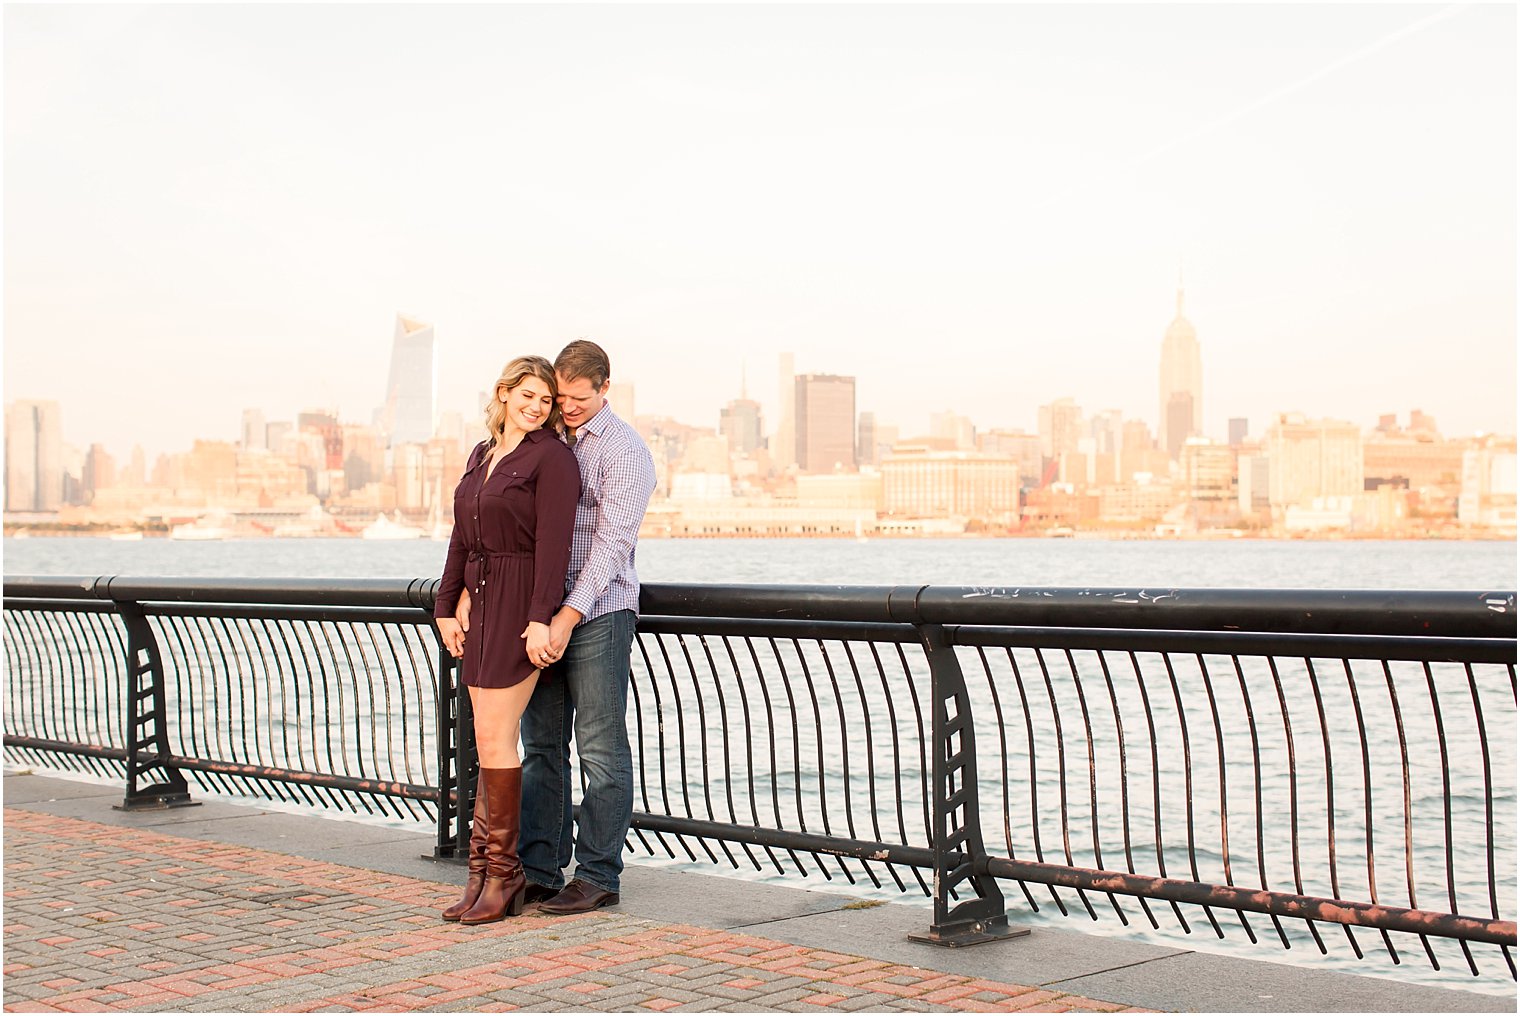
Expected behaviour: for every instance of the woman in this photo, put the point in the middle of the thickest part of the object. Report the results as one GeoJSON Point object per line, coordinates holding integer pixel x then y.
{"type": "Point", "coordinates": [514, 510]}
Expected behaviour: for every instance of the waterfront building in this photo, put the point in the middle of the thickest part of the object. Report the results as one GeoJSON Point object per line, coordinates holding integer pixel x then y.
{"type": "Point", "coordinates": [859, 491]}
{"type": "Point", "coordinates": [411, 392]}
{"type": "Point", "coordinates": [325, 425]}
{"type": "Point", "coordinates": [1208, 470]}
{"type": "Point", "coordinates": [409, 476]}
{"type": "Point", "coordinates": [925, 482]}
{"type": "Point", "coordinates": [1145, 500]}
{"type": "Point", "coordinates": [1181, 375]}
{"type": "Point", "coordinates": [277, 436]}
{"type": "Point", "coordinates": [1487, 497]}
{"type": "Point", "coordinates": [825, 422]}
{"type": "Point", "coordinates": [1414, 460]}
{"type": "Point", "coordinates": [1312, 461]}
{"type": "Point", "coordinates": [1239, 428]}
{"type": "Point", "coordinates": [33, 456]}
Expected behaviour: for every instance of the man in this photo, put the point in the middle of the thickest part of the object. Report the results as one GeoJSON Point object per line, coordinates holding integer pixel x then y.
{"type": "Point", "coordinates": [591, 637]}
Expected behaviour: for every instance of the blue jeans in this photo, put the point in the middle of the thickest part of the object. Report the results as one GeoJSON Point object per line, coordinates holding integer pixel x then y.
{"type": "Point", "coordinates": [587, 694]}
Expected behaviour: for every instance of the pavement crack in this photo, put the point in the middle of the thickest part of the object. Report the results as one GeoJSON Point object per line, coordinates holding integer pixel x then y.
{"type": "Point", "coordinates": [1122, 966]}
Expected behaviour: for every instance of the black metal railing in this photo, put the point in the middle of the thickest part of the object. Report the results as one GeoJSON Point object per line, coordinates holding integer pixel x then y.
{"type": "Point", "coordinates": [1198, 757]}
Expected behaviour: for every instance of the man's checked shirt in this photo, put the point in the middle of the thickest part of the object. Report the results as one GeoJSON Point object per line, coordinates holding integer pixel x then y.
{"type": "Point", "coordinates": [617, 479]}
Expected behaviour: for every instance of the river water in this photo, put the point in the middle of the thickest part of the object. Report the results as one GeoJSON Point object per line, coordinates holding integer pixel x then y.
{"type": "Point", "coordinates": [1075, 562]}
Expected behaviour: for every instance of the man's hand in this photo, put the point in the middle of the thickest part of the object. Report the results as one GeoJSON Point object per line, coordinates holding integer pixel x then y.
{"type": "Point", "coordinates": [462, 611]}
{"type": "Point", "coordinates": [560, 626]}
{"type": "Point", "coordinates": [453, 636]}
{"type": "Point", "coordinates": [540, 653]}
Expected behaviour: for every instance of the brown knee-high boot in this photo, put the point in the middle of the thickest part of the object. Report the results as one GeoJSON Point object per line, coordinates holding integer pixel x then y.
{"type": "Point", "coordinates": [477, 868]}
{"type": "Point", "coordinates": [502, 892]}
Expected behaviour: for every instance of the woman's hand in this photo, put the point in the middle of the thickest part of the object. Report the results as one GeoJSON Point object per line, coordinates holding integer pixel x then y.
{"type": "Point", "coordinates": [462, 611]}
{"type": "Point", "coordinates": [540, 649]}
{"type": "Point", "coordinates": [453, 635]}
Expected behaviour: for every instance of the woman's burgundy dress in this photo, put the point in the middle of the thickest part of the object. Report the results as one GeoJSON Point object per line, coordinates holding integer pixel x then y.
{"type": "Point", "coordinates": [511, 549]}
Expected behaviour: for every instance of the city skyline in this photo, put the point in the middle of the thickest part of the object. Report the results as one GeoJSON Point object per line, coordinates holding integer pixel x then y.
{"type": "Point", "coordinates": [973, 210]}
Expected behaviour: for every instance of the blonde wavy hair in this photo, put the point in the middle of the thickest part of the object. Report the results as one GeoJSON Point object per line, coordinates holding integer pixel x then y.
{"type": "Point", "coordinates": [512, 375]}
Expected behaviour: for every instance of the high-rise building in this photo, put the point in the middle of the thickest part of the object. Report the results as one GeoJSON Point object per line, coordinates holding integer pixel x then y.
{"type": "Point", "coordinates": [784, 447]}
{"type": "Point", "coordinates": [866, 452]}
{"type": "Point", "coordinates": [739, 421]}
{"type": "Point", "coordinates": [1060, 427]}
{"type": "Point", "coordinates": [255, 437]}
{"type": "Point", "coordinates": [33, 457]}
{"type": "Point", "coordinates": [1181, 373]}
{"type": "Point", "coordinates": [411, 393]}
{"type": "Point", "coordinates": [953, 427]}
{"type": "Point", "coordinates": [1238, 429]}
{"type": "Point", "coordinates": [99, 471]}
{"type": "Point", "coordinates": [825, 422]}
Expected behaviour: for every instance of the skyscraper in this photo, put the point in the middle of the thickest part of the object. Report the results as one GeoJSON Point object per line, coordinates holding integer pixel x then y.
{"type": "Point", "coordinates": [825, 413]}
{"type": "Point", "coordinates": [33, 457]}
{"type": "Point", "coordinates": [1181, 374]}
{"type": "Point", "coordinates": [784, 448]}
{"type": "Point", "coordinates": [411, 394]}
{"type": "Point", "coordinates": [739, 421]}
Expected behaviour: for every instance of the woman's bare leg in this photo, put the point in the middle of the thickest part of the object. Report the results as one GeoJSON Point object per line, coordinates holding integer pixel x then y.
{"type": "Point", "coordinates": [498, 713]}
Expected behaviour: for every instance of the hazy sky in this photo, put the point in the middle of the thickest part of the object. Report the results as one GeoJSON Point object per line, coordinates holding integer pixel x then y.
{"type": "Point", "coordinates": [975, 208]}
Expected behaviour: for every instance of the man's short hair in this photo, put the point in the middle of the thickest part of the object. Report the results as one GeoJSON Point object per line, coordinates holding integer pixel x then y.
{"type": "Point", "coordinates": [584, 359]}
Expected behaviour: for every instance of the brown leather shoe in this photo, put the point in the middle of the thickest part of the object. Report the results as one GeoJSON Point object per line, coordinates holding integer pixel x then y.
{"type": "Point", "coordinates": [535, 893]}
{"type": "Point", "coordinates": [579, 898]}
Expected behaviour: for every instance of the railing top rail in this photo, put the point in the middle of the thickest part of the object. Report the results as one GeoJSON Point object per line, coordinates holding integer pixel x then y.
{"type": "Point", "coordinates": [1447, 613]}
{"type": "Point", "coordinates": [395, 592]}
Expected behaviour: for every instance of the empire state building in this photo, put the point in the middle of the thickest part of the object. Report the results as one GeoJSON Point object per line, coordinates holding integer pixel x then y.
{"type": "Point", "coordinates": [1181, 383]}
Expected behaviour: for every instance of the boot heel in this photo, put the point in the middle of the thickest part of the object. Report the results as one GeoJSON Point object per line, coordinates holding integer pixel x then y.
{"type": "Point", "coordinates": [515, 904]}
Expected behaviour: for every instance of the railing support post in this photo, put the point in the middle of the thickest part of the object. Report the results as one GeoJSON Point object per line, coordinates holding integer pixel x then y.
{"type": "Point", "coordinates": [456, 763]}
{"type": "Point", "coordinates": [147, 738]}
{"type": "Point", "coordinates": [960, 859]}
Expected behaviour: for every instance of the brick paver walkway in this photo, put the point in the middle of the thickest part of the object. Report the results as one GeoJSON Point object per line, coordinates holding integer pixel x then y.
{"type": "Point", "coordinates": [101, 918]}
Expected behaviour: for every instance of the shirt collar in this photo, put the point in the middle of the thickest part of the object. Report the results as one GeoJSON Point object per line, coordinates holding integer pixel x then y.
{"type": "Point", "coordinates": [599, 423]}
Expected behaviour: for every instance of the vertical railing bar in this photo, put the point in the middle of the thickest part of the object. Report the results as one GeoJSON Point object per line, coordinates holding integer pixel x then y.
{"type": "Point", "coordinates": [1224, 797]}
{"type": "Point", "coordinates": [1298, 881]}
{"type": "Point", "coordinates": [701, 721]}
{"type": "Point", "coordinates": [1261, 848]}
{"type": "Point", "coordinates": [870, 780]}
{"type": "Point", "coordinates": [1034, 780]}
{"type": "Point", "coordinates": [1092, 776]}
{"type": "Point", "coordinates": [680, 712]}
{"type": "Point", "coordinates": [770, 714]}
{"type": "Point", "coordinates": [412, 671]}
{"type": "Point", "coordinates": [1113, 701]}
{"type": "Point", "coordinates": [924, 771]}
{"type": "Point", "coordinates": [749, 749]}
{"type": "Point", "coordinates": [1002, 727]}
{"type": "Point", "coordinates": [389, 633]}
{"type": "Point", "coordinates": [823, 803]}
{"type": "Point", "coordinates": [654, 686]}
{"type": "Point", "coordinates": [897, 761]}
{"type": "Point", "coordinates": [295, 699]}
{"type": "Point", "coordinates": [1187, 772]}
{"type": "Point", "coordinates": [1324, 727]}
{"type": "Point", "coordinates": [1055, 713]}
{"type": "Point", "coordinates": [276, 681]}
{"type": "Point", "coordinates": [844, 741]}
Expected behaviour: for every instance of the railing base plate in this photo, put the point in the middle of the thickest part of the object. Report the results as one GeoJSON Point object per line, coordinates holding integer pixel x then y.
{"type": "Point", "coordinates": [971, 934]}
{"type": "Point", "coordinates": [157, 803]}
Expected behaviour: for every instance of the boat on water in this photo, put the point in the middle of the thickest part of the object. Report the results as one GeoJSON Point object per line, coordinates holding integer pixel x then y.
{"type": "Point", "coordinates": [394, 528]}
{"type": "Point", "coordinates": [126, 534]}
{"type": "Point", "coordinates": [207, 527]}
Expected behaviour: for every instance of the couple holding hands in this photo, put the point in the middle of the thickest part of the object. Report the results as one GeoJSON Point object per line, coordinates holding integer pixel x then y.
{"type": "Point", "coordinates": [539, 600]}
